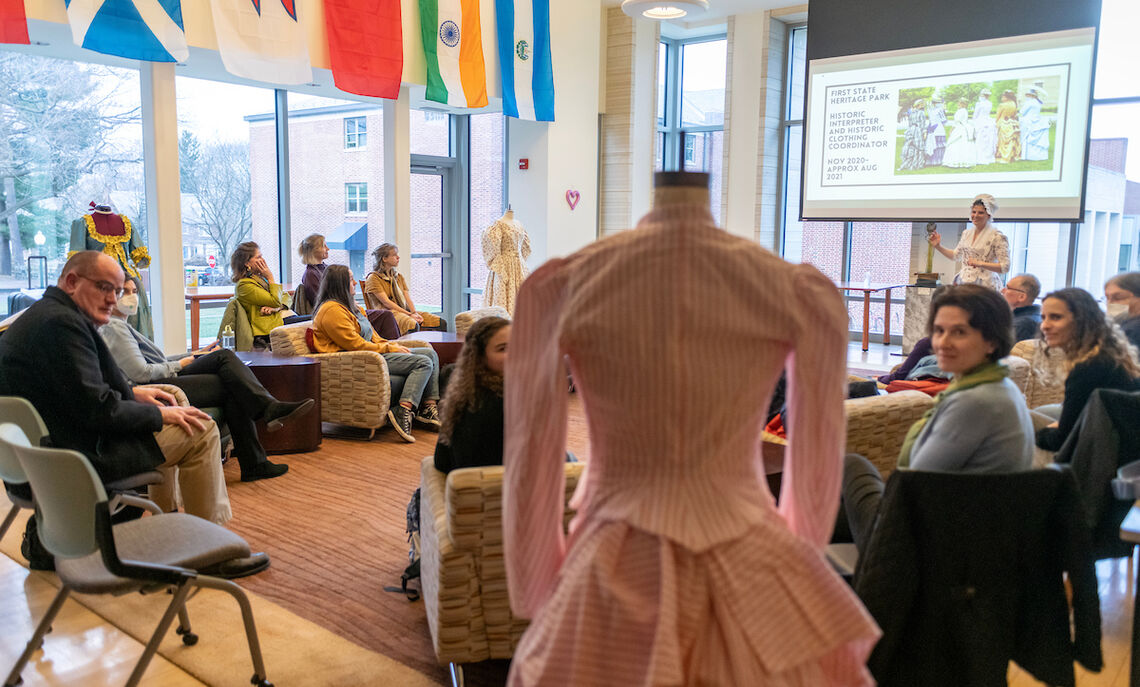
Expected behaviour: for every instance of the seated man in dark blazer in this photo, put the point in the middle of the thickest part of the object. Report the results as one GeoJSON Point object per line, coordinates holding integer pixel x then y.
{"type": "Point", "coordinates": [54, 357]}
{"type": "Point", "coordinates": [1021, 293]}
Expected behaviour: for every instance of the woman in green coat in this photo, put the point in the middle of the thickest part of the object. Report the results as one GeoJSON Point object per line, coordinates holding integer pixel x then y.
{"type": "Point", "coordinates": [257, 292]}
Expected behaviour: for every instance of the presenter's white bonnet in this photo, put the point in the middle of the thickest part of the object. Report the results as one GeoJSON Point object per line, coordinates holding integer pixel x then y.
{"type": "Point", "coordinates": [988, 201]}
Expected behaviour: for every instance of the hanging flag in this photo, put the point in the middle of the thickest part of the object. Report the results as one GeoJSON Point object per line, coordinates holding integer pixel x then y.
{"type": "Point", "coordinates": [13, 22]}
{"type": "Point", "coordinates": [453, 45]}
{"type": "Point", "coordinates": [367, 57]}
{"type": "Point", "coordinates": [524, 58]}
{"type": "Point", "coordinates": [148, 30]}
{"type": "Point", "coordinates": [262, 40]}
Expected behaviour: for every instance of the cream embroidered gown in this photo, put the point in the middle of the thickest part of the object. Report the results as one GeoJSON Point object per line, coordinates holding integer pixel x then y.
{"type": "Point", "coordinates": [506, 247]}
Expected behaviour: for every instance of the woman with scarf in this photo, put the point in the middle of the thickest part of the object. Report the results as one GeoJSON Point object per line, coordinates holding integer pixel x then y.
{"type": "Point", "coordinates": [385, 289]}
{"type": "Point", "coordinates": [982, 250]}
{"type": "Point", "coordinates": [980, 423]}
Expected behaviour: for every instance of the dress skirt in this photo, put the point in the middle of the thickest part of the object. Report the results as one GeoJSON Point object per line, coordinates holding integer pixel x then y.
{"type": "Point", "coordinates": [762, 609]}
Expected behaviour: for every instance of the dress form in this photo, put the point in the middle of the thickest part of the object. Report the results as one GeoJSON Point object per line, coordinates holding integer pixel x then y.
{"type": "Point", "coordinates": [506, 247]}
{"type": "Point", "coordinates": [103, 230]}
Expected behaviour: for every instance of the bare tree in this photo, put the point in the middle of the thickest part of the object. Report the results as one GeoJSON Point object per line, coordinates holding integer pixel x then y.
{"type": "Point", "coordinates": [219, 181]}
{"type": "Point", "coordinates": [57, 125]}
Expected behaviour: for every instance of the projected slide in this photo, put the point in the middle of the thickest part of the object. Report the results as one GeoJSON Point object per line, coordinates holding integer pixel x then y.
{"type": "Point", "coordinates": [914, 134]}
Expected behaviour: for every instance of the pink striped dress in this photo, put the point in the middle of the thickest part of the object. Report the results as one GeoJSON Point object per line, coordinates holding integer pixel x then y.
{"type": "Point", "coordinates": [679, 568]}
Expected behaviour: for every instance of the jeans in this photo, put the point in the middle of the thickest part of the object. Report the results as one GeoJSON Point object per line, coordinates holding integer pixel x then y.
{"type": "Point", "coordinates": [421, 369]}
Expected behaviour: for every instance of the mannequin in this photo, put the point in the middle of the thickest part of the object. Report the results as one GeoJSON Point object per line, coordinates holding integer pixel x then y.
{"type": "Point", "coordinates": [676, 529]}
{"type": "Point", "coordinates": [103, 230]}
{"type": "Point", "coordinates": [506, 247]}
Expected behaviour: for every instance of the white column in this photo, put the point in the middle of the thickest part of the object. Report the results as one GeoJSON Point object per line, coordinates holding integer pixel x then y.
{"type": "Point", "coordinates": [748, 43]}
{"type": "Point", "coordinates": [163, 204]}
{"type": "Point", "coordinates": [397, 177]}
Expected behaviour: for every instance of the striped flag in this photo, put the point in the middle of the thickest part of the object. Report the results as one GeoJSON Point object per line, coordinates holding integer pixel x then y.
{"type": "Point", "coordinates": [524, 56]}
{"type": "Point", "coordinates": [367, 57]}
{"type": "Point", "coordinates": [13, 22]}
{"type": "Point", "coordinates": [148, 30]}
{"type": "Point", "coordinates": [453, 45]}
{"type": "Point", "coordinates": [262, 40]}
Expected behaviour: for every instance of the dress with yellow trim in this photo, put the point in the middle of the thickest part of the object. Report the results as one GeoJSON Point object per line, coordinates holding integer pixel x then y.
{"type": "Point", "coordinates": [114, 235]}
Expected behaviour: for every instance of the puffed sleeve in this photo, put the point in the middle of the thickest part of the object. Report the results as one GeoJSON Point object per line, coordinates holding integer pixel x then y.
{"type": "Point", "coordinates": [813, 466]}
{"type": "Point", "coordinates": [139, 254]}
{"type": "Point", "coordinates": [78, 240]}
{"type": "Point", "coordinates": [535, 444]}
{"type": "Point", "coordinates": [999, 251]}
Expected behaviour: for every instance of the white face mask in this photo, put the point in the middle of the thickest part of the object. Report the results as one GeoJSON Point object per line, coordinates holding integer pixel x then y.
{"type": "Point", "coordinates": [1117, 311]}
{"type": "Point", "coordinates": [128, 304]}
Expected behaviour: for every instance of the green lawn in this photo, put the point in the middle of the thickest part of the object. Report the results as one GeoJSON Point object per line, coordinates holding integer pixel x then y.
{"type": "Point", "coordinates": [1015, 166]}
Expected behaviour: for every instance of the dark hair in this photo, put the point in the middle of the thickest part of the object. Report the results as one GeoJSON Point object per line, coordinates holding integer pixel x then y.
{"type": "Point", "coordinates": [336, 286]}
{"type": "Point", "coordinates": [1093, 333]}
{"type": "Point", "coordinates": [382, 251]}
{"type": "Point", "coordinates": [1128, 281]}
{"type": "Point", "coordinates": [1009, 95]}
{"type": "Point", "coordinates": [238, 259]}
{"type": "Point", "coordinates": [470, 374]}
{"type": "Point", "coordinates": [987, 310]}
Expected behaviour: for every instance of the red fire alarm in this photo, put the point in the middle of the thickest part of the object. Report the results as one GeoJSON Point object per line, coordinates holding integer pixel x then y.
{"type": "Point", "coordinates": [524, 163]}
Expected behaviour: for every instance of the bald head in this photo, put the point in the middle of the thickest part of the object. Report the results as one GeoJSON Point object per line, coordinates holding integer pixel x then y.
{"type": "Point", "coordinates": [94, 281]}
{"type": "Point", "coordinates": [1022, 290]}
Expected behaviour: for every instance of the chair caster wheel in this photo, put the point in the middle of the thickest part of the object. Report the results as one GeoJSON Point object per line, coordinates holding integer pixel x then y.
{"type": "Point", "coordinates": [259, 681]}
{"type": "Point", "coordinates": [189, 639]}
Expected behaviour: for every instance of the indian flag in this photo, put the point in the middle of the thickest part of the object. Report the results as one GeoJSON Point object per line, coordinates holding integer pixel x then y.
{"type": "Point", "coordinates": [453, 45]}
{"type": "Point", "coordinates": [524, 55]}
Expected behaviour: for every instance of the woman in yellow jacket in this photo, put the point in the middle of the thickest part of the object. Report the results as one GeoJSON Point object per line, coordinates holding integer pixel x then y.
{"type": "Point", "coordinates": [256, 291]}
{"type": "Point", "coordinates": [341, 325]}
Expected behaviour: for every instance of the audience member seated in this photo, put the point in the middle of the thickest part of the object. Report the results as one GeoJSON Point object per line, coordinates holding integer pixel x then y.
{"type": "Point", "coordinates": [313, 251]}
{"type": "Point", "coordinates": [1021, 294]}
{"type": "Point", "coordinates": [214, 378]}
{"type": "Point", "coordinates": [1123, 295]}
{"type": "Point", "coordinates": [1097, 354]}
{"type": "Point", "coordinates": [471, 434]}
{"type": "Point", "coordinates": [385, 289]}
{"type": "Point", "coordinates": [979, 424]}
{"type": "Point", "coordinates": [341, 325]}
{"type": "Point", "coordinates": [55, 358]}
{"type": "Point", "coordinates": [257, 292]}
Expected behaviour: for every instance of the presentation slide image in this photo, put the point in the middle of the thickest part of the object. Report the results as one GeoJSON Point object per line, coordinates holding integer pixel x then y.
{"type": "Point", "coordinates": [964, 128]}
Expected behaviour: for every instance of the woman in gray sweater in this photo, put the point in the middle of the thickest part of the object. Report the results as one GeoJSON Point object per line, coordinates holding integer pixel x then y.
{"type": "Point", "coordinates": [980, 423]}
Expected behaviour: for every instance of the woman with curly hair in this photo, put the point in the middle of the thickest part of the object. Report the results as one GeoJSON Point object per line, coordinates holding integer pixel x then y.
{"type": "Point", "coordinates": [471, 433]}
{"type": "Point", "coordinates": [1096, 352]}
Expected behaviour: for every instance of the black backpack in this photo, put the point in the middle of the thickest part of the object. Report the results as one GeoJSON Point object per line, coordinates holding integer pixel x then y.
{"type": "Point", "coordinates": [412, 572]}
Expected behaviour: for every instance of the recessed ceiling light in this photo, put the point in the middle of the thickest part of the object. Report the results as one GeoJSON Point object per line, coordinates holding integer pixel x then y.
{"type": "Point", "coordinates": [664, 10]}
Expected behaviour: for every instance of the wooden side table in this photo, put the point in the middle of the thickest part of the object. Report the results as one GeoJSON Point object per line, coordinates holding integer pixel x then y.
{"type": "Point", "coordinates": [288, 378]}
{"type": "Point", "coordinates": [446, 344]}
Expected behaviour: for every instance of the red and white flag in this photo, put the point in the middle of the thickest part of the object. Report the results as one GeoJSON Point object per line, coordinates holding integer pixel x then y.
{"type": "Point", "coordinates": [366, 46]}
{"type": "Point", "coordinates": [262, 40]}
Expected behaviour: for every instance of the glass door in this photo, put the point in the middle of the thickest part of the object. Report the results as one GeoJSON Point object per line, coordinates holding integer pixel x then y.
{"type": "Point", "coordinates": [432, 220]}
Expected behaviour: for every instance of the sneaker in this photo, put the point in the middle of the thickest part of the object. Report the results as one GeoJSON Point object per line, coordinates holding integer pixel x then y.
{"type": "Point", "coordinates": [429, 415]}
{"type": "Point", "coordinates": [401, 420]}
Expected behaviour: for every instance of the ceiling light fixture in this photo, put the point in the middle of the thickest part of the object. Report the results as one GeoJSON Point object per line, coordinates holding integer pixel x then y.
{"type": "Point", "coordinates": [664, 9]}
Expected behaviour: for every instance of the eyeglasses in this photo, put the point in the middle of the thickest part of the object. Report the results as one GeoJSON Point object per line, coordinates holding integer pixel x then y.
{"type": "Point", "coordinates": [1010, 288]}
{"type": "Point", "coordinates": [106, 287]}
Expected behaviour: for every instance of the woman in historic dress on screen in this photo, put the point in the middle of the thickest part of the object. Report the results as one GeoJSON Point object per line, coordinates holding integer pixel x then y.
{"type": "Point", "coordinates": [1034, 127]}
{"type": "Point", "coordinates": [982, 250]}
{"type": "Point", "coordinates": [914, 141]}
{"type": "Point", "coordinates": [985, 131]}
{"type": "Point", "coordinates": [936, 133]}
{"type": "Point", "coordinates": [960, 142]}
{"type": "Point", "coordinates": [1008, 129]}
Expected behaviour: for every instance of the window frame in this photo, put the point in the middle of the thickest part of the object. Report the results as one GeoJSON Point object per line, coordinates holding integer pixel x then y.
{"type": "Point", "coordinates": [361, 199]}
{"type": "Point", "coordinates": [358, 139]}
{"type": "Point", "coordinates": [673, 153]}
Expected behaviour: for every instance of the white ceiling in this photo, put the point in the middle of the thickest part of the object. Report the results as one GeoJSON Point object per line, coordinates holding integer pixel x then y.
{"type": "Point", "coordinates": [719, 10]}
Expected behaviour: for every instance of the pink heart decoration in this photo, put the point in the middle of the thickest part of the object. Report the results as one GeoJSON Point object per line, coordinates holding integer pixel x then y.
{"type": "Point", "coordinates": [572, 198]}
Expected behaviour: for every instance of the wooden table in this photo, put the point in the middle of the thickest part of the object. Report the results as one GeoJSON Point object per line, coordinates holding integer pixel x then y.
{"type": "Point", "coordinates": [867, 290]}
{"type": "Point", "coordinates": [1130, 532]}
{"type": "Point", "coordinates": [446, 344]}
{"type": "Point", "coordinates": [288, 378]}
{"type": "Point", "coordinates": [197, 294]}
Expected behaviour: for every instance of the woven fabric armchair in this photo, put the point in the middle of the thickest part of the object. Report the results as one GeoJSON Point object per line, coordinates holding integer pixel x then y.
{"type": "Point", "coordinates": [1045, 372]}
{"type": "Point", "coordinates": [464, 320]}
{"type": "Point", "coordinates": [877, 425]}
{"type": "Point", "coordinates": [355, 387]}
{"type": "Point", "coordinates": [462, 569]}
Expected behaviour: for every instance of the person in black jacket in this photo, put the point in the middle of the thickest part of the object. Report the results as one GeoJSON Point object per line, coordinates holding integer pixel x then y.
{"type": "Point", "coordinates": [1096, 351]}
{"type": "Point", "coordinates": [54, 357]}
{"type": "Point", "coordinates": [1021, 293]}
{"type": "Point", "coordinates": [471, 433]}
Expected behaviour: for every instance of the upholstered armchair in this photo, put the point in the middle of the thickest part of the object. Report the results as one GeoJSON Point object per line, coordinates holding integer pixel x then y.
{"type": "Point", "coordinates": [1045, 372]}
{"type": "Point", "coordinates": [877, 425]}
{"type": "Point", "coordinates": [464, 320]}
{"type": "Point", "coordinates": [462, 569]}
{"type": "Point", "coordinates": [355, 387]}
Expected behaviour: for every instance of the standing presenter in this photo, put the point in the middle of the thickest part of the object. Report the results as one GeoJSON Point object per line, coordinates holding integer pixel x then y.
{"type": "Point", "coordinates": [983, 251]}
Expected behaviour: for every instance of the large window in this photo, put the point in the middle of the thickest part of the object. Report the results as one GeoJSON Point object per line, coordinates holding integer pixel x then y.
{"type": "Point", "coordinates": [690, 109]}
{"type": "Point", "coordinates": [70, 135]}
{"type": "Point", "coordinates": [486, 196]}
